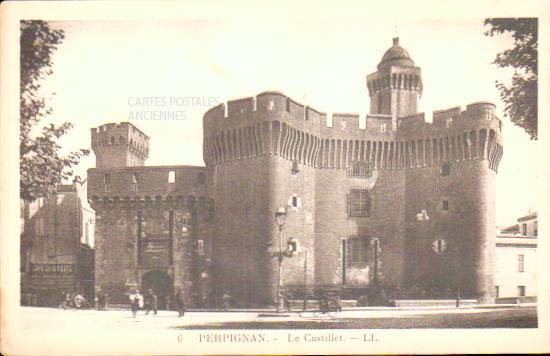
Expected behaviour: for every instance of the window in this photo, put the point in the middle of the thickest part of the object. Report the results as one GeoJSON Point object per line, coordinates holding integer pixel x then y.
{"type": "Point", "coordinates": [521, 263]}
{"type": "Point", "coordinates": [524, 229]}
{"type": "Point", "coordinates": [445, 205]}
{"type": "Point", "coordinates": [536, 228]}
{"type": "Point", "coordinates": [294, 201]}
{"type": "Point", "coordinates": [497, 292]}
{"type": "Point", "coordinates": [344, 125]}
{"type": "Point", "coordinates": [270, 105]}
{"type": "Point", "coordinates": [39, 229]}
{"type": "Point", "coordinates": [201, 178]}
{"type": "Point", "coordinates": [359, 203]}
{"type": "Point", "coordinates": [439, 245]}
{"type": "Point", "coordinates": [445, 169]}
{"type": "Point", "coordinates": [383, 127]}
{"type": "Point", "coordinates": [294, 169]}
{"type": "Point", "coordinates": [200, 247]}
{"type": "Point", "coordinates": [171, 177]}
{"type": "Point", "coordinates": [449, 122]}
{"type": "Point", "coordinates": [521, 291]}
{"type": "Point", "coordinates": [360, 169]}
{"type": "Point", "coordinates": [358, 251]}
{"type": "Point", "coordinates": [106, 178]}
{"type": "Point", "coordinates": [134, 178]}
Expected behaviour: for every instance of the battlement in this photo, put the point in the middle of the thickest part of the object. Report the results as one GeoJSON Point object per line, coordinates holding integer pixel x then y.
{"type": "Point", "coordinates": [476, 116]}
{"type": "Point", "coordinates": [119, 145]}
{"type": "Point", "coordinates": [276, 105]}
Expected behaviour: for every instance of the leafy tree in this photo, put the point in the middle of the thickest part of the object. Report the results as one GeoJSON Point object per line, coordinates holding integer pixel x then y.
{"type": "Point", "coordinates": [41, 166]}
{"type": "Point", "coordinates": [520, 97]}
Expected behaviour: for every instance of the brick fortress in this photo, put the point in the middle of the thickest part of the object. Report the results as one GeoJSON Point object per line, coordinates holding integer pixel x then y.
{"type": "Point", "coordinates": [395, 204]}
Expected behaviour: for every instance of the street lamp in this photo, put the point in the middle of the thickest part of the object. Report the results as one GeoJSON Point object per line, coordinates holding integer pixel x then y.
{"type": "Point", "coordinates": [280, 217]}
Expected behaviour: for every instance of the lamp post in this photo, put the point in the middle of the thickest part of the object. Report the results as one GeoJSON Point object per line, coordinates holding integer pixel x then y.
{"type": "Point", "coordinates": [280, 217]}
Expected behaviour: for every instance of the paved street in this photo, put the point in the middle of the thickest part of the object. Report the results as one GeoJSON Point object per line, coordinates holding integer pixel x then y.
{"type": "Point", "coordinates": [374, 318]}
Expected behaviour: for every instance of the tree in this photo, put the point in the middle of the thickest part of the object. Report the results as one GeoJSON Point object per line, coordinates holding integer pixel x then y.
{"type": "Point", "coordinates": [41, 166]}
{"type": "Point", "coordinates": [520, 97]}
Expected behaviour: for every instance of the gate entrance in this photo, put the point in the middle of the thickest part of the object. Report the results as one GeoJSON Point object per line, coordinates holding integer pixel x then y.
{"type": "Point", "coordinates": [161, 283]}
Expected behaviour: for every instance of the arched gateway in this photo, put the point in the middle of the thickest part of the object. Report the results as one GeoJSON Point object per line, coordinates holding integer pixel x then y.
{"type": "Point", "coordinates": [161, 283]}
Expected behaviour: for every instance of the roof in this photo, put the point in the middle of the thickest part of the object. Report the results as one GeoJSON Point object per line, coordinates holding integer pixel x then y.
{"type": "Point", "coordinates": [529, 216]}
{"type": "Point", "coordinates": [396, 55]}
{"type": "Point", "coordinates": [510, 229]}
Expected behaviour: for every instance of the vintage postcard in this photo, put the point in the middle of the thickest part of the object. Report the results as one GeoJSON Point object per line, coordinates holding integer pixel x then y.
{"type": "Point", "coordinates": [198, 177]}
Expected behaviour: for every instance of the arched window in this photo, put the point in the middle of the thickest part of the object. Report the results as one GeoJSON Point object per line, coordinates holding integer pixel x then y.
{"type": "Point", "coordinates": [113, 140]}
{"type": "Point", "coordinates": [171, 177]}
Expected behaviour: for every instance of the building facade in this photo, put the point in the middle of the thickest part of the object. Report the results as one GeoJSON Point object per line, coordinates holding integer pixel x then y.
{"type": "Point", "coordinates": [383, 202]}
{"type": "Point", "coordinates": [516, 261]}
{"type": "Point", "coordinates": [153, 224]}
{"type": "Point", "coordinates": [57, 236]}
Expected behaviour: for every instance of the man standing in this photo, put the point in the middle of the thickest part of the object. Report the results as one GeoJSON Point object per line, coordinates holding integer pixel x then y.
{"type": "Point", "coordinates": [151, 302]}
{"type": "Point", "coordinates": [134, 301]}
{"type": "Point", "coordinates": [180, 301]}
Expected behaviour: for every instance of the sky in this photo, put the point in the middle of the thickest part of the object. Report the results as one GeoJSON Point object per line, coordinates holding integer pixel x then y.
{"type": "Point", "coordinates": [112, 71]}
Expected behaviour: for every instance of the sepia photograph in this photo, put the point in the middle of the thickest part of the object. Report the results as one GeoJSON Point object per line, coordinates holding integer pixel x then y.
{"type": "Point", "coordinates": [273, 178]}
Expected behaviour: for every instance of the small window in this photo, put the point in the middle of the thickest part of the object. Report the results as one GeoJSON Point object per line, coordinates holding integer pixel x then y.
{"type": "Point", "coordinates": [121, 140]}
{"type": "Point", "coordinates": [113, 140]}
{"type": "Point", "coordinates": [200, 247]}
{"type": "Point", "coordinates": [536, 228]}
{"type": "Point", "coordinates": [271, 105]}
{"type": "Point", "coordinates": [445, 169]}
{"type": "Point", "coordinates": [201, 178]}
{"type": "Point", "coordinates": [524, 229]}
{"type": "Point", "coordinates": [383, 127]}
{"type": "Point", "coordinates": [359, 203]}
{"type": "Point", "coordinates": [294, 169]}
{"type": "Point", "coordinates": [134, 178]}
{"type": "Point", "coordinates": [171, 177]}
{"type": "Point", "coordinates": [521, 263]}
{"type": "Point", "coordinates": [294, 201]}
{"type": "Point", "coordinates": [449, 122]}
{"type": "Point", "coordinates": [344, 125]}
{"type": "Point", "coordinates": [445, 205]}
{"type": "Point", "coordinates": [521, 291]}
{"type": "Point", "coordinates": [106, 178]}
{"type": "Point", "coordinates": [439, 245]}
{"type": "Point", "coordinates": [497, 292]}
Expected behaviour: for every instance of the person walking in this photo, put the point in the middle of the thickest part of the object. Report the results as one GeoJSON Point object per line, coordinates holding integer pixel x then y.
{"type": "Point", "coordinates": [151, 302]}
{"type": "Point", "coordinates": [226, 300]}
{"type": "Point", "coordinates": [134, 301]}
{"type": "Point", "coordinates": [180, 302]}
{"type": "Point", "coordinates": [168, 302]}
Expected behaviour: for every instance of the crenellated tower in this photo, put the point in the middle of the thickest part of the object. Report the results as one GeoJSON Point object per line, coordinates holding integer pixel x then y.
{"type": "Point", "coordinates": [395, 87]}
{"type": "Point", "coordinates": [119, 145]}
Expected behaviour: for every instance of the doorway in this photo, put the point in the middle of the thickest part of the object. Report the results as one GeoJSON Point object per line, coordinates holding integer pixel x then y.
{"type": "Point", "coordinates": [161, 283]}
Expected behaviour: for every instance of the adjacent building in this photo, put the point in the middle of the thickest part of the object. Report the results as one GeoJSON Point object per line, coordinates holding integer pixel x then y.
{"type": "Point", "coordinates": [516, 261]}
{"type": "Point", "coordinates": [57, 236]}
{"type": "Point", "coordinates": [386, 202]}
